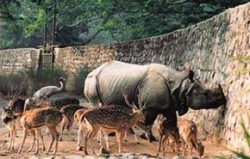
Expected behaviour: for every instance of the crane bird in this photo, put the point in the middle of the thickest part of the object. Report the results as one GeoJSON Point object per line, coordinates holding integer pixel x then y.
{"type": "Point", "coordinates": [47, 91]}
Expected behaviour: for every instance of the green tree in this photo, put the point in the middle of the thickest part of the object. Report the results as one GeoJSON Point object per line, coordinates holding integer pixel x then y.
{"type": "Point", "coordinates": [99, 21]}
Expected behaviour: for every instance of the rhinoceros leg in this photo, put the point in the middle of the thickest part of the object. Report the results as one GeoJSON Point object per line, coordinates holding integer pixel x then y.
{"type": "Point", "coordinates": [170, 115]}
{"type": "Point", "coordinates": [150, 116]}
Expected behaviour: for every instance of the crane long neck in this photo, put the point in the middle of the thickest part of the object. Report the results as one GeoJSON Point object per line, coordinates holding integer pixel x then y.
{"type": "Point", "coordinates": [61, 85]}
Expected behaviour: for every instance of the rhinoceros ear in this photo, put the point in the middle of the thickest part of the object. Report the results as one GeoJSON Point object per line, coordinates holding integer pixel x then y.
{"type": "Point", "coordinates": [190, 75]}
{"type": "Point", "coordinates": [185, 87]}
{"type": "Point", "coordinates": [190, 89]}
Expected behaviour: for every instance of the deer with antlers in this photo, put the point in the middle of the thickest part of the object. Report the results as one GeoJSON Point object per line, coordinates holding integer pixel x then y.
{"type": "Point", "coordinates": [112, 120]}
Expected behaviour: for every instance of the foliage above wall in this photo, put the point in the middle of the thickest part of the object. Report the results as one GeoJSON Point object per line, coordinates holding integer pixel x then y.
{"type": "Point", "coordinates": [100, 21]}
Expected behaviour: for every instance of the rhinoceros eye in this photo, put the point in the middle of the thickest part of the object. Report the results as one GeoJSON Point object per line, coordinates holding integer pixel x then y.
{"type": "Point", "coordinates": [206, 92]}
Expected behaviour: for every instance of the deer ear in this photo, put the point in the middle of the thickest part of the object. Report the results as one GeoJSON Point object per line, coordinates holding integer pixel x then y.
{"type": "Point", "coordinates": [4, 108]}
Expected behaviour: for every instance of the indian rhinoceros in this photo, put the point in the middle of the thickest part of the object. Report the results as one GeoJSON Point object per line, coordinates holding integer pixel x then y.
{"type": "Point", "coordinates": [162, 89]}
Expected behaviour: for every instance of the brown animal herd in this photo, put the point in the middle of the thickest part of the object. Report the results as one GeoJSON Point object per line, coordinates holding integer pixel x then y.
{"type": "Point", "coordinates": [33, 115]}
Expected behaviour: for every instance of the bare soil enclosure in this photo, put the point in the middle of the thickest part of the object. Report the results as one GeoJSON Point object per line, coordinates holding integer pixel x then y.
{"type": "Point", "coordinates": [67, 147]}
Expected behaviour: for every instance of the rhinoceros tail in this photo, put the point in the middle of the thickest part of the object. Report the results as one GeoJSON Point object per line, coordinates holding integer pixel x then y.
{"type": "Point", "coordinates": [98, 90]}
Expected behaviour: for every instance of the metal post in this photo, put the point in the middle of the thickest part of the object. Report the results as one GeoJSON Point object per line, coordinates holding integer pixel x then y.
{"type": "Point", "coordinates": [53, 32]}
{"type": "Point", "coordinates": [45, 30]}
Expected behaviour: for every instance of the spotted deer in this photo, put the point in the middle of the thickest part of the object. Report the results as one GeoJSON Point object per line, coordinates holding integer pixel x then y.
{"type": "Point", "coordinates": [59, 104]}
{"type": "Point", "coordinates": [188, 134]}
{"type": "Point", "coordinates": [36, 119]}
{"type": "Point", "coordinates": [105, 132]}
{"type": "Point", "coordinates": [112, 120]}
{"type": "Point", "coordinates": [167, 130]}
{"type": "Point", "coordinates": [12, 123]}
{"type": "Point", "coordinates": [11, 119]}
{"type": "Point", "coordinates": [68, 112]}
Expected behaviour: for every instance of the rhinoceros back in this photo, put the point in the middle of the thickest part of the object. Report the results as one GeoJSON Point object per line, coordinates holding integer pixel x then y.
{"type": "Point", "coordinates": [107, 83]}
{"type": "Point", "coordinates": [90, 91]}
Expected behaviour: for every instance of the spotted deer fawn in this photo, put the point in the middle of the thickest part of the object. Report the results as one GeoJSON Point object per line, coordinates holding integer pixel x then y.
{"type": "Point", "coordinates": [167, 130]}
{"type": "Point", "coordinates": [111, 119]}
{"type": "Point", "coordinates": [36, 119]}
{"type": "Point", "coordinates": [188, 134]}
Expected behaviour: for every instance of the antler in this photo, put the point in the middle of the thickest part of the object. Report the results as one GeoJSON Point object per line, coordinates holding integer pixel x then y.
{"type": "Point", "coordinates": [127, 102]}
{"type": "Point", "coordinates": [141, 105]}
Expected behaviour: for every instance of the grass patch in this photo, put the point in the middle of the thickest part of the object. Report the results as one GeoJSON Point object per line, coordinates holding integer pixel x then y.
{"type": "Point", "coordinates": [14, 83]}
{"type": "Point", "coordinates": [25, 82]}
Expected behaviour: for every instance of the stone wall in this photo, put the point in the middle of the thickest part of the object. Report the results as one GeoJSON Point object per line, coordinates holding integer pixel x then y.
{"type": "Point", "coordinates": [74, 59]}
{"type": "Point", "coordinates": [17, 59]}
{"type": "Point", "coordinates": [215, 49]}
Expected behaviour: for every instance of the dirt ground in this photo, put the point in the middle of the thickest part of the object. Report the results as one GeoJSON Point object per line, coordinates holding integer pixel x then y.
{"type": "Point", "coordinates": [67, 147]}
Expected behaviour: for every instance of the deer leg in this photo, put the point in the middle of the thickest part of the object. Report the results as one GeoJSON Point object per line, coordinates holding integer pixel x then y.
{"type": "Point", "coordinates": [64, 125]}
{"type": "Point", "coordinates": [183, 145]}
{"type": "Point", "coordinates": [125, 136]}
{"type": "Point", "coordinates": [99, 137]}
{"type": "Point", "coordinates": [106, 139]}
{"type": "Point", "coordinates": [37, 142]}
{"type": "Point", "coordinates": [10, 140]}
{"type": "Point", "coordinates": [11, 143]}
{"type": "Point", "coordinates": [13, 140]}
{"type": "Point", "coordinates": [33, 142]}
{"type": "Point", "coordinates": [23, 141]}
{"type": "Point", "coordinates": [70, 124]}
{"type": "Point", "coordinates": [52, 140]}
{"type": "Point", "coordinates": [55, 134]}
{"type": "Point", "coordinates": [41, 136]}
{"type": "Point", "coordinates": [136, 139]}
{"type": "Point", "coordinates": [176, 146]}
{"type": "Point", "coordinates": [86, 141]}
{"type": "Point", "coordinates": [164, 143]}
{"type": "Point", "coordinates": [47, 131]}
{"type": "Point", "coordinates": [79, 137]}
{"type": "Point", "coordinates": [135, 135]}
{"type": "Point", "coordinates": [92, 134]}
{"type": "Point", "coordinates": [190, 146]}
{"type": "Point", "coordinates": [119, 137]}
{"type": "Point", "coordinates": [56, 144]}
{"type": "Point", "coordinates": [159, 146]}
